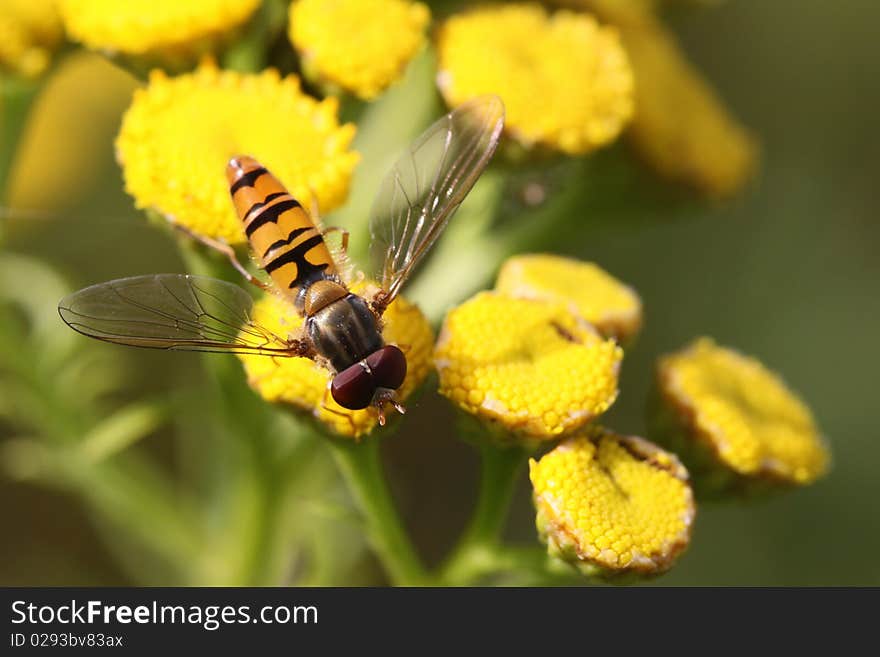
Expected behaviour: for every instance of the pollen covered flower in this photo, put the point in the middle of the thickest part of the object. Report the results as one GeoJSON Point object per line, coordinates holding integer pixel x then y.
{"type": "Point", "coordinates": [736, 420]}
{"type": "Point", "coordinates": [532, 367]}
{"type": "Point", "coordinates": [565, 80]}
{"type": "Point", "coordinates": [303, 384]}
{"type": "Point", "coordinates": [612, 504]}
{"type": "Point", "coordinates": [136, 27]}
{"type": "Point", "coordinates": [609, 305]}
{"type": "Point", "coordinates": [29, 31]}
{"type": "Point", "coordinates": [180, 132]}
{"type": "Point", "coordinates": [359, 46]}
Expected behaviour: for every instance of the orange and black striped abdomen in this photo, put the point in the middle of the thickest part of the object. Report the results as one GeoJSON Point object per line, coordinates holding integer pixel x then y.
{"type": "Point", "coordinates": [281, 233]}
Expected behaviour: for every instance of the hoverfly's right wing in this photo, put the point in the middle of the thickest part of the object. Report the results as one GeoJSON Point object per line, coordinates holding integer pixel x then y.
{"type": "Point", "coordinates": [171, 311]}
{"type": "Point", "coordinates": [427, 184]}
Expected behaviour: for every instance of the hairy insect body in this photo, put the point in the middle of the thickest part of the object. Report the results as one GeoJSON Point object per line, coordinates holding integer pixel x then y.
{"type": "Point", "coordinates": [344, 331]}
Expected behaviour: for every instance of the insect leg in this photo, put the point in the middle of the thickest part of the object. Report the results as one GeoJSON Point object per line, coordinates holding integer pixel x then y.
{"type": "Point", "coordinates": [386, 397]}
{"type": "Point", "coordinates": [229, 252]}
{"type": "Point", "coordinates": [379, 302]}
{"type": "Point", "coordinates": [301, 348]}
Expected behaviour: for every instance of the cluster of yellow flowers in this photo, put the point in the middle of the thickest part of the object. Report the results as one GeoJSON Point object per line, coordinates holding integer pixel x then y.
{"type": "Point", "coordinates": [536, 359]}
{"type": "Point", "coordinates": [528, 362]}
{"type": "Point", "coordinates": [569, 83]}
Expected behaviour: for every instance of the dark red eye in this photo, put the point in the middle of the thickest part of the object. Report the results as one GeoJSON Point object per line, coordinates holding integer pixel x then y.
{"type": "Point", "coordinates": [388, 366]}
{"type": "Point", "coordinates": [353, 388]}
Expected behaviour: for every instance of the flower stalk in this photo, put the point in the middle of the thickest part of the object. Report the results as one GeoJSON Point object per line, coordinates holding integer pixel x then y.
{"type": "Point", "coordinates": [478, 548]}
{"type": "Point", "coordinates": [361, 467]}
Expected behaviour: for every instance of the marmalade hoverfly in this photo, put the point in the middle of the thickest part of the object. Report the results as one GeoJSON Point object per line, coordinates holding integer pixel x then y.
{"type": "Point", "coordinates": [341, 330]}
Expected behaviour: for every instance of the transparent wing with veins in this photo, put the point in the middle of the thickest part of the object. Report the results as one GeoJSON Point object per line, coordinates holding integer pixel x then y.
{"type": "Point", "coordinates": [427, 184]}
{"type": "Point", "coordinates": [171, 311]}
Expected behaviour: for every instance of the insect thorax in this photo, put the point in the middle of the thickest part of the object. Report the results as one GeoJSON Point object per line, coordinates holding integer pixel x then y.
{"type": "Point", "coordinates": [344, 331]}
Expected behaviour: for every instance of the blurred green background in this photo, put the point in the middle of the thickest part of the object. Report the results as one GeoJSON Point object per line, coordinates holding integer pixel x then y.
{"type": "Point", "coordinates": [787, 272]}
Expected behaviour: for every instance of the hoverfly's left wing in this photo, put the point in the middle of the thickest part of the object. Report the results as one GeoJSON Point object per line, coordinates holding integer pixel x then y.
{"type": "Point", "coordinates": [427, 184]}
{"type": "Point", "coordinates": [171, 311]}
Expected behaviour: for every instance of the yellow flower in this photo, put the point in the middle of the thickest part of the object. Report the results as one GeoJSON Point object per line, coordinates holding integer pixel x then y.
{"type": "Point", "coordinates": [302, 383]}
{"type": "Point", "coordinates": [612, 504]}
{"type": "Point", "coordinates": [530, 366]}
{"type": "Point", "coordinates": [360, 46]}
{"type": "Point", "coordinates": [609, 305]}
{"type": "Point", "coordinates": [739, 416]}
{"type": "Point", "coordinates": [565, 80]}
{"type": "Point", "coordinates": [681, 127]}
{"type": "Point", "coordinates": [136, 27]}
{"type": "Point", "coordinates": [29, 31]}
{"type": "Point", "coordinates": [179, 133]}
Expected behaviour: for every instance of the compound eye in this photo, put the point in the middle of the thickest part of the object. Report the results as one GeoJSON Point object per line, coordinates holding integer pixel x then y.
{"type": "Point", "coordinates": [353, 388]}
{"type": "Point", "coordinates": [388, 365]}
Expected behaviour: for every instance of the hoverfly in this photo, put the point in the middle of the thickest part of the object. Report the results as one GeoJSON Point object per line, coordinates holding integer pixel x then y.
{"type": "Point", "coordinates": [341, 330]}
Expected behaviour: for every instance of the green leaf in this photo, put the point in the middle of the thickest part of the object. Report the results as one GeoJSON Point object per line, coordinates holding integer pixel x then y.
{"type": "Point", "coordinates": [121, 430]}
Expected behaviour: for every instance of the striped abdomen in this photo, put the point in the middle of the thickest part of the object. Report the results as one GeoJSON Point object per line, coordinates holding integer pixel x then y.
{"type": "Point", "coordinates": [283, 236]}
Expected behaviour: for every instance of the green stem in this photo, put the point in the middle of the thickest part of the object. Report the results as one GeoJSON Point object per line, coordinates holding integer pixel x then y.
{"type": "Point", "coordinates": [500, 467]}
{"type": "Point", "coordinates": [361, 467]}
{"type": "Point", "coordinates": [249, 53]}
{"type": "Point", "coordinates": [279, 476]}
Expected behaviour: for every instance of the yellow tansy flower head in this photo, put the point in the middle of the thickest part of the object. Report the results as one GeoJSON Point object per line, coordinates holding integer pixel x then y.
{"type": "Point", "coordinates": [137, 27]}
{"type": "Point", "coordinates": [682, 128]}
{"type": "Point", "coordinates": [609, 305]}
{"type": "Point", "coordinates": [303, 384]}
{"type": "Point", "coordinates": [29, 32]}
{"type": "Point", "coordinates": [359, 46]}
{"type": "Point", "coordinates": [735, 422]}
{"type": "Point", "coordinates": [565, 80]}
{"type": "Point", "coordinates": [180, 132]}
{"type": "Point", "coordinates": [612, 504]}
{"type": "Point", "coordinates": [532, 367]}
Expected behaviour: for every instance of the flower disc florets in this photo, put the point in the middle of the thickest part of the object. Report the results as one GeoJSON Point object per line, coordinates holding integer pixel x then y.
{"type": "Point", "coordinates": [135, 27]}
{"type": "Point", "coordinates": [737, 417]}
{"type": "Point", "coordinates": [611, 306]}
{"type": "Point", "coordinates": [565, 80]}
{"type": "Point", "coordinates": [360, 46]}
{"type": "Point", "coordinates": [612, 504]}
{"type": "Point", "coordinates": [532, 367]}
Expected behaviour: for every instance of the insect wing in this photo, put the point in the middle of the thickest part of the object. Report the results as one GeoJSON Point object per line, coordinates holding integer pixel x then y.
{"type": "Point", "coordinates": [427, 184]}
{"type": "Point", "coordinates": [170, 311]}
